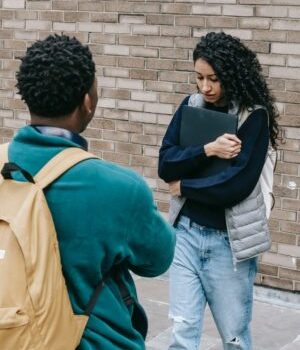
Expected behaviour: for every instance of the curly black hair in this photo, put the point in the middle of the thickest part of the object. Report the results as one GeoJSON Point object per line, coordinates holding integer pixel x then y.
{"type": "Point", "coordinates": [54, 76]}
{"type": "Point", "coordinates": [239, 73]}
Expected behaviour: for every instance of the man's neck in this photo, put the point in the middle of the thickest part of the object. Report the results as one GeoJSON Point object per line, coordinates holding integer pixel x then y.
{"type": "Point", "coordinates": [68, 122]}
{"type": "Point", "coordinates": [61, 132]}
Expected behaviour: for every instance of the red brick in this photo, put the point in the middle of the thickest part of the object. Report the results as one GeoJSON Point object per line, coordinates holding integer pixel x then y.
{"type": "Point", "coordinates": [292, 157]}
{"type": "Point", "coordinates": [115, 136]}
{"type": "Point", "coordinates": [131, 62]}
{"type": "Point", "coordinates": [7, 133]}
{"type": "Point", "coordinates": [116, 94]}
{"type": "Point", "coordinates": [192, 21]}
{"type": "Point", "coordinates": [57, 16]}
{"type": "Point", "coordinates": [143, 161]}
{"type": "Point", "coordinates": [116, 6]}
{"type": "Point", "coordinates": [157, 64]}
{"type": "Point", "coordinates": [292, 227]}
{"type": "Point", "coordinates": [176, 8]}
{"type": "Point", "coordinates": [159, 19]}
{"type": "Point", "coordinates": [175, 99]}
{"type": "Point", "coordinates": [6, 34]}
{"type": "Point", "coordinates": [180, 77]}
{"type": "Point", "coordinates": [221, 22]}
{"type": "Point", "coordinates": [259, 46]}
{"type": "Point", "coordinates": [277, 283]}
{"type": "Point", "coordinates": [268, 270]}
{"type": "Point", "coordinates": [188, 43]}
{"type": "Point", "coordinates": [144, 139]}
{"type": "Point", "coordinates": [74, 16]}
{"type": "Point", "coordinates": [293, 37]}
{"type": "Point", "coordinates": [130, 126]}
{"type": "Point", "coordinates": [134, 19]}
{"type": "Point", "coordinates": [6, 14]}
{"type": "Point", "coordinates": [102, 124]}
{"type": "Point", "coordinates": [104, 17]}
{"type": "Point", "coordinates": [116, 114]}
{"type": "Point", "coordinates": [159, 86]}
{"type": "Point", "coordinates": [176, 31]}
{"type": "Point", "coordinates": [160, 41]}
{"type": "Point", "coordinates": [131, 40]}
{"type": "Point", "coordinates": [143, 74]}
{"type": "Point", "coordinates": [289, 274]}
{"type": "Point", "coordinates": [92, 133]}
{"type": "Point", "coordinates": [184, 66]}
{"type": "Point", "coordinates": [102, 145]}
{"type": "Point", "coordinates": [280, 237]}
{"type": "Point", "coordinates": [102, 38]}
{"type": "Point", "coordinates": [91, 6]}
{"type": "Point", "coordinates": [143, 52]}
{"type": "Point", "coordinates": [163, 206]}
{"type": "Point", "coordinates": [146, 8]}
{"type": "Point", "coordinates": [154, 130]}
{"type": "Point", "coordinates": [185, 88]}
{"type": "Point", "coordinates": [64, 5]}
{"type": "Point", "coordinates": [181, 54]}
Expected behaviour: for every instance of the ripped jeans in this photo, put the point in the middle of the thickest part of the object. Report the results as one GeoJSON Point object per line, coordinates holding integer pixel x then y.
{"type": "Point", "coordinates": [202, 272]}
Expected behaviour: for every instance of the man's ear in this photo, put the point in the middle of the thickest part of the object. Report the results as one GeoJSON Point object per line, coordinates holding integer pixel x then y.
{"type": "Point", "coordinates": [86, 105]}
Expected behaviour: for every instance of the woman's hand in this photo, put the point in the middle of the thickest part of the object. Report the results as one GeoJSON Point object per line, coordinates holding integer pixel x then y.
{"type": "Point", "coordinates": [174, 188]}
{"type": "Point", "coordinates": [226, 146]}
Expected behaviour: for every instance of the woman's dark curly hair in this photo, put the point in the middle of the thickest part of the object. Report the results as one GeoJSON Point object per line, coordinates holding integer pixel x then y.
{"type": "Point", "coordinates": [54, 76]}
{"type": "Point", "coordinates": [239, 73]}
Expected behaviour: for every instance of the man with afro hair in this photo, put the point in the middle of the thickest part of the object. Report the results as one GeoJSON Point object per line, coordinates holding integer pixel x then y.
{"type": "Point", "coordinates": [103, 214]}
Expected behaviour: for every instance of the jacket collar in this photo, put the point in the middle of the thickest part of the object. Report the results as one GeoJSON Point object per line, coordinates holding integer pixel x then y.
{"type": "Point", "coordinates": [64, 133]}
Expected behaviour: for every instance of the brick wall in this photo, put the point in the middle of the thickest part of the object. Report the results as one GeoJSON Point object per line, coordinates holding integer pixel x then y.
{"type": "Point", "coordinates": [143, 54]}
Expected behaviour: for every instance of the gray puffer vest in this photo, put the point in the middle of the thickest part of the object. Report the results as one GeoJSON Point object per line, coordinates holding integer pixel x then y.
{"type": "Point", "coordinates": [246, 222]}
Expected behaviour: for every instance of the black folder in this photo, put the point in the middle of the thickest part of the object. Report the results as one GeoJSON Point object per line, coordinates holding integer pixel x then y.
{"type": "Point", "coordinates": [200, 126]}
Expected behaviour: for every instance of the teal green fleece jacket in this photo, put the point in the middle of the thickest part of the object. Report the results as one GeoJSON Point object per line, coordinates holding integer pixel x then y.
{"type": "Point", "coordinates": [104, 214]}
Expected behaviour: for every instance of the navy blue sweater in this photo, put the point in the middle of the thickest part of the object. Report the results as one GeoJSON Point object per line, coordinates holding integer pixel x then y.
{"type": "Point", "coordinates": [208, 197]}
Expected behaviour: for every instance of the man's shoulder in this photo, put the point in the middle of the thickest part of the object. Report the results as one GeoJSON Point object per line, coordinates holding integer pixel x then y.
{"type": "Point", "coordinates": [96, 169]}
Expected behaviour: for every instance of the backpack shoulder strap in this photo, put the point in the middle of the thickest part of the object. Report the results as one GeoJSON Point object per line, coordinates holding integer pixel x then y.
{"type": "Point", "coordinates": [59, 164]}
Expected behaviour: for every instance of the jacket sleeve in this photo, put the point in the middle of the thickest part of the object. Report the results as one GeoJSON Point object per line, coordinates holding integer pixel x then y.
{"type": "Point", "coordinates": [177, 162]}
{"type": "Point", "coordinates": [237, 181]}
{"type": "Point", "coordinates": [150, 239]}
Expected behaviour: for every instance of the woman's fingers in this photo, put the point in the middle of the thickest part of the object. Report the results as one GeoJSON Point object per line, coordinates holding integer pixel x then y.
{"type": "Point", "coordinates": [232, 137]}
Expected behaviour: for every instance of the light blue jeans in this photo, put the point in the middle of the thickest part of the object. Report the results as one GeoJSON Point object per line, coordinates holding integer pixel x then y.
{"type": "Point", "coordinates": [202, 272]}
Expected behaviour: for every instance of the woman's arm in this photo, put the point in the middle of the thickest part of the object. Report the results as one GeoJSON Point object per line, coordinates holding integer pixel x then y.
{"type": "Point", "coordinates": [177, 162]}
{"type": "Point", "coordinates": [235, 183]}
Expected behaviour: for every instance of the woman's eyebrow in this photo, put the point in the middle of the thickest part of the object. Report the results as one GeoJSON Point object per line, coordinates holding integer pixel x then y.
{"type": "Point", "coordinates": [209, 75]}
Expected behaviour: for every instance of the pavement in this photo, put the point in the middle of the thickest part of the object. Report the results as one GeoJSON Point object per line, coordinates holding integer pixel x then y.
{"type": "Point", "coordinates": [275, 325]}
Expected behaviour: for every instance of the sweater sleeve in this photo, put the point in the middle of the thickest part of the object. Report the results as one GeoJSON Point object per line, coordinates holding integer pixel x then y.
{"type": "Point", "coordinates": [150, 239]}
{"type": "Point", "coordinates": [177, 162]}
{"type": "Point", "coordinates": [236, 182]}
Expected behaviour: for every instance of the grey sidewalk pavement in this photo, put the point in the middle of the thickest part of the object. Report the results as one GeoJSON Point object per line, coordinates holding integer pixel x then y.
{"type": "Point", "coordinates": [275, 325]}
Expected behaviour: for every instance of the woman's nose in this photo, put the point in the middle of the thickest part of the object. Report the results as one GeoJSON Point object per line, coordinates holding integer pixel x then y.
{"type": "Point", "coordinates": [206, 87]}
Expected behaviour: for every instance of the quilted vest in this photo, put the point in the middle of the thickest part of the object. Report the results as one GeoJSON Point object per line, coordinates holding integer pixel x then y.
{"type": "Point", "coordinates": [247, 222]}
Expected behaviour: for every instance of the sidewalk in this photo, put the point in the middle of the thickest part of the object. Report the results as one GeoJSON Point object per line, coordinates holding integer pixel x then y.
{"type": "Point", "coordinates": [275, 326]}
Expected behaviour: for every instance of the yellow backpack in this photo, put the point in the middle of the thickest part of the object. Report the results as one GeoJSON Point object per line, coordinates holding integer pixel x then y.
{"type": "Point", "coordinates": [35, 311]}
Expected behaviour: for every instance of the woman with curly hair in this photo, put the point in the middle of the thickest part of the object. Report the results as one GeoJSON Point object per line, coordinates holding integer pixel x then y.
{"type": "Point", "coordinates": [220, 220]}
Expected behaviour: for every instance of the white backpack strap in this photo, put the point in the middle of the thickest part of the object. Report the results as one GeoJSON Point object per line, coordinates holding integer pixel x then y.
{"type": "Point", "coordinates": [59, 164]}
